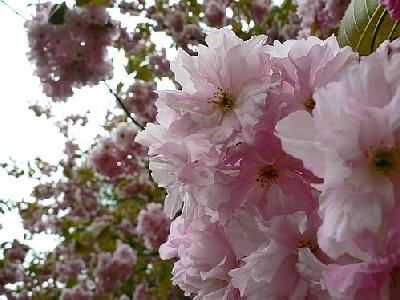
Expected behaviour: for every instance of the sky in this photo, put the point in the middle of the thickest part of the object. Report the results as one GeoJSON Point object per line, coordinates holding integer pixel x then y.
{"type": "Point", "coordinates": [23, 136]}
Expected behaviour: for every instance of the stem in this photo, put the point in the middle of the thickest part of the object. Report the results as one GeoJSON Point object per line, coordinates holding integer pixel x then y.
{"type": "Point", "coordinates": [13, 9]}
{"type": "Point", "coordinates": [119, 100]}
{"type": "Point", "coordinates": [314, 27]}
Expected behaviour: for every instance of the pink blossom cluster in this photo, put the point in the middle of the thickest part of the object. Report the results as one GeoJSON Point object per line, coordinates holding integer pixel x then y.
{"type": "Point", "coordinates": [71, 267]}
{"type": "Point", "coordinates": [173, 20]}
{"type": "Point", "coordinates": [158, 63]}
{"type": "Point", "coordinates": [118, 154]}
{"type": "Point", "coordinates": [214, 13]}
{"type": "Point", "coordinates": [113, 269]}
{"type": "Point", "coordinates": [10, 273]}
{"type": "Point", "coordinates": [139, 99]}
{"type": "Point", "coordinates": [17, 251]}
{"type": "Point", "coordinates": [69, 48]}
{"type": "Point", "coordinates": [140, 291]}
{"type": "Point", "coordinates": [153, 225]}
{"type": "Point", "coordinates": [131, 42]}
{"type": "Point", "coordinates": [320, 15]}
{"type": "Point", "coordinates": [260, 9]}
{"type": "Point", "coordinates": [76, 293]}
{"type": "Point", "coordinates": [283, 164]}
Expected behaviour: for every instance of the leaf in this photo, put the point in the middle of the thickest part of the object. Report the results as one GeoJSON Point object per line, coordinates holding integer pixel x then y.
{"type": "Point", "coordinates": [101, 2]}
{"type": "Point", "coordinates": [144, 73]}
{"type": "Point", "coordinates": [365, 26]}
{"type": "Point", "coordinates": [82, 2]}
{"type": "Point", "coordinates": [97, 2]}
{"type": "Point", "coordinates": [119, 87]}
{"type": "Point", "coordinates": [57, 14]}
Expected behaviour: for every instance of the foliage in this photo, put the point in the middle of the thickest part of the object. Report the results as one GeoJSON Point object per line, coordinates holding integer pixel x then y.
{"type": "Point", "coordinates": [366, 25]}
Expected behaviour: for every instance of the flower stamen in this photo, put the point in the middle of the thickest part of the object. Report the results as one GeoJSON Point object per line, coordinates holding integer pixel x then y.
{"type": "Point", "coordinates": [267, 174]}
{"type": "Point", "coordinates": [222, 99]}
{"type": "Point", "coordinates": [310, 244]}
{"type": "Point", "coordinates": [309, 104]}
{"type": "Point", "coordinates": [384, 160]}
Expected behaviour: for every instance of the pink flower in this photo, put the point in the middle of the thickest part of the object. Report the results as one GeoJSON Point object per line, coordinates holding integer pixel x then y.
{"type": "Point", "coordinates": [245, 231]}
{"type": "Point", "coordinates": [124, 257]}
{"type": "Point", "coordinates": [72, 54]}
{"type": "Point", "coordinates": [141, 291]}
{"type": "Point", "coordinates": [226, 80]}
{"type": "Point", "coordinates": [268, 178]}
{"type": "Point", "coordinates": [152, 225]}
{"type": "Point", "coordinates": [76, 293]}
{"type": "Point", "coordinates": [223, 92]}
{"type": "Point", "coordinates": [113, 269]}
{"type": "Point", "coordinates": [139, 99]}
{"type": "Point", "coordinates": [118, 154]}
{"type": "Point", "coordinates": [184, 164]}
{"type": "Point", "coordinates": [214, 13]}
{"type": "Point", "coordinates": [320, 15]}
{"type": "Point", "coordinates": [124, 137]}
{"type": "Point", "coordinates": [270, 271]}
{"type": "Point", "coordinates": [376, 278]}
{"type": "Point", "coordinates": [175, 239]}
{"type": "Point", "coordinates": [205, 257]}
{"type": "Point", "coordinates": [393, 7]}
{"type": "Point", "coordinates": [306, 65]}
{"type": "Point", "coordinates": [260, 9]}
{"type": "Point", "coordinates": [351, 141]}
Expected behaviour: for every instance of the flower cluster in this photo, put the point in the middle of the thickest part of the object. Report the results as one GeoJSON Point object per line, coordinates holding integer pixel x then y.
{"type": "Point", "coordinates": [69, 47]}
{"type": "Point", "coordinates": [320, 15]}
{"type": "Point", "coordinates": [283, 164]}
{"type": "Point", "coordinates": [139, 99]}
{"type": "Point", "coordinates": [112, 269]}
{"type": "Point", "coordinates": [118, 154]}
{"type": "Point", "coordinates": [153, 225]}
{"type": "Point", "coordinates": [354, 137]}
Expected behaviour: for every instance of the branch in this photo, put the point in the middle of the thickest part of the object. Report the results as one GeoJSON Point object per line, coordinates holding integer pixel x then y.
{"type": "Point", "coordinates": [119, 100]}
{"type": "Point", "coordinates": [13, 9]}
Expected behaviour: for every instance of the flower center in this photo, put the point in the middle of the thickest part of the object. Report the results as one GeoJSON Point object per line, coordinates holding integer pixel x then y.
{"type": "Point", "coordinates": [384, 160]}
{"type": "Point", "coordinates": [310, 244]}
{"type": "Point", "coordinates": [309, 104]}
{"type": "Point", "coordinates": [267, 174]}
{"type": "Point", "coordinates": [222, 99]}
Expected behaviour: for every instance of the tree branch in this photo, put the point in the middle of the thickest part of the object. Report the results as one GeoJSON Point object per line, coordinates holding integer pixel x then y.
{"type": "Point", "coordinates": [119, 100]}
{"type": "Point", "coordinates": [13, 9]}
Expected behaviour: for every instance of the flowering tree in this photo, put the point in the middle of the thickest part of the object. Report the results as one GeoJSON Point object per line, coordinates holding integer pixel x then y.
{"type": "Point", "coordinates": [274, 163]}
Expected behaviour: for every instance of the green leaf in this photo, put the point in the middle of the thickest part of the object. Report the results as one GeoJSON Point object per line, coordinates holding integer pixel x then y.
{"type": "Point", "coordinates": [82, 2]}
{"type": "Point", "coordinates": [119, 87]}
{"type": "Point", "coordinates": [365, 26]}
{"type": "Point", "coordinates": [101, 2]}
{"type": "Point", "coordinates": [57, 14]}
{"type": "Point", "coordinates": [143, 73]}
{"type": "Point", "coordinates": [97, 2]}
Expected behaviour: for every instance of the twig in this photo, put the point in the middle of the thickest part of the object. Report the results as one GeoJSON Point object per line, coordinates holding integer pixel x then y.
{"type": "Point", "coordinates": [13, 9]}
{"type": "Point", "coordinates": [119, 100]}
